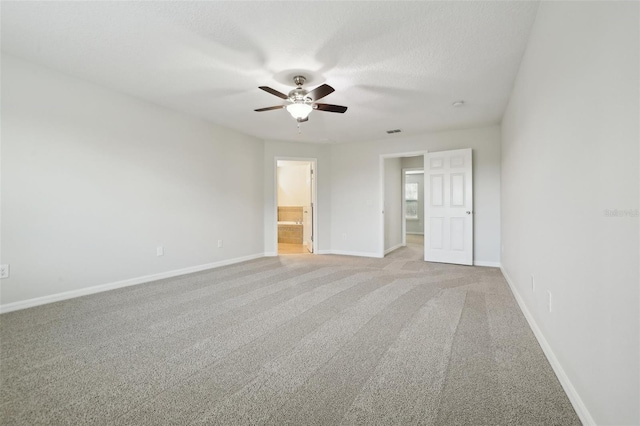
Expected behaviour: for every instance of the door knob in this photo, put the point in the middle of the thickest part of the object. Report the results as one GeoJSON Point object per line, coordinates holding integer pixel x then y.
{"type": "Point", "coordinates": [468, 212]}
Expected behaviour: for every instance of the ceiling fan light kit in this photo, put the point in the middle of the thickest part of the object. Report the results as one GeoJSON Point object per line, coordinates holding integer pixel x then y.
{"type": "Point", "coordinates": [301, 101]}
{"type": "Point", "coordinates": [299, 110]}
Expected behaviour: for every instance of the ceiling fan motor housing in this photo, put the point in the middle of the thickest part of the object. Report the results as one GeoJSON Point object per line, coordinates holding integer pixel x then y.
{"type": "Point", "coordinates": [299, 94]}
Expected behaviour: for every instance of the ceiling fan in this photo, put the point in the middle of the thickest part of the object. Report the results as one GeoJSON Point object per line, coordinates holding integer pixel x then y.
{"type": "Point", "coordinates": [301, 101]}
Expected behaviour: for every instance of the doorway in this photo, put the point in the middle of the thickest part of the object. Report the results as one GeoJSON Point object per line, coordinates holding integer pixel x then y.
{"type": "Point", "coordinates": [394, 204]}
{"type": "Point", "coordinates": [295, 204]}
{"type": "Point", "coordinates": [413, 204]}
{"type": "Point", "coordinates": [448, 205]}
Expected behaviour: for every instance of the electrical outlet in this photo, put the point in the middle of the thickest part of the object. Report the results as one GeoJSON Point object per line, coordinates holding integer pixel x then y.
{"type": "Point", "coordinates": [533, 284]}
{"type": "Point", "coordinates": [4, 271]}
{"type": "Point", "coordinates": [159, 251]}
{"type": "Point", "coordinates": [220, 243]}
{"type": "Point", "coordinates": [550, 301]}
{"type": "Point", "coordinates": [344, 236]}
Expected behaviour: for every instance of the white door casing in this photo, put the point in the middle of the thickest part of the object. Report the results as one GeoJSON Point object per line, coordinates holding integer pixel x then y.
{"type": "Point", "coordinates": [449, 209]}
{"type": "Point", "coordinates": [307, 215]}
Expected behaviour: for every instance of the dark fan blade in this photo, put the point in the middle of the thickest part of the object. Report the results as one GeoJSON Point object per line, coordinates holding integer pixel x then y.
{"type": "Point", "coordinates": [302, 120]}
{"type": "Point", "coordinates": [274, 92]}
{"type": "Point", "coordinates": [320, 92]}
{"type": "Point", "coordinates": [270, 108]}
{"type": "Point", "coordinates": [330, 108]}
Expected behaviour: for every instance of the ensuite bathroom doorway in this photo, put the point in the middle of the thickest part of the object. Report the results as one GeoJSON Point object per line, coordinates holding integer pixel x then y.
{"type": "Point", "coordinates": [295, 204]}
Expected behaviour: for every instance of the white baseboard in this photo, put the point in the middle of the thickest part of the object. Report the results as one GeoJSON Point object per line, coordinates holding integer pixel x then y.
{"type": "Point", "coordinates": [29, 303]}
{"type": "Point", "coordinates": [324, 252]}
{"type": "Point", "coordinates": [349, 253]}
{"type": "Point", "coordinates": [484, 263]}
{"type": "Point", "coordinates": [390, 249]}
{"type": "Point", "coordinates": [574, 397]}
{"type": "Point", "coordinates": [270, 253]}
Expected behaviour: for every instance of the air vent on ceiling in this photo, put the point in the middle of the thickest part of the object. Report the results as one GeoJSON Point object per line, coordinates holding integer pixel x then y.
{"type": "Point", "coordinates": [394, 131]}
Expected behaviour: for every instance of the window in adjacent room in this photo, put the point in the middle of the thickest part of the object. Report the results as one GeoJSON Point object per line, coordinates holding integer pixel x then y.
{"type": "Point", "coordinates": [411, 200]}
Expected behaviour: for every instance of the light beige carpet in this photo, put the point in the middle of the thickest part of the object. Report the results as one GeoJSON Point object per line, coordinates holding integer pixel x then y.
{"type": "Point", "coordinates": [296, 340]}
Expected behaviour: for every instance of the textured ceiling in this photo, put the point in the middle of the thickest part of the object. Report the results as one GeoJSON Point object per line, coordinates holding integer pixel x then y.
{"type": "Point", "coordinates": [396, 65]}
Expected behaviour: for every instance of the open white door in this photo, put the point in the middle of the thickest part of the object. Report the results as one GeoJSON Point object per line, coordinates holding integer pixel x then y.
{"type": "Point", "coordinates": [449, 209]}
{"type": "Point", "coordinates": [307, 214]}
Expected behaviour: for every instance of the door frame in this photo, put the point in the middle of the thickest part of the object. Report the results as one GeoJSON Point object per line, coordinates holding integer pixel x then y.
{"type": "Point", "coordinates": [381, 191]}
{"type": "Point", "coordinates": [314, 197]}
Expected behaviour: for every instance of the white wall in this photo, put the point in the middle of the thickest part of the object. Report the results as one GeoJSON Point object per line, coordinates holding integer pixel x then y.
{"type": "Point", "coordinates": [294, 150]}
{"type": "Point", "coordinates": [294, 184]}
{"type": "Point", "coordinates": [570, 152]}
{"type": "Point", "coordinates": [355, 196]}
{"type": "Point", "coordinates": [392, 203]}
{"type": "Point", "coordinates": [415, 162]}
{"type": "Point", "coordinates": [93, 181]}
